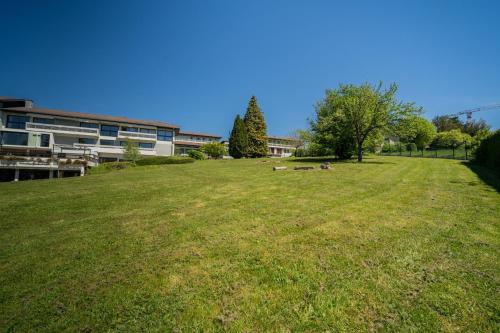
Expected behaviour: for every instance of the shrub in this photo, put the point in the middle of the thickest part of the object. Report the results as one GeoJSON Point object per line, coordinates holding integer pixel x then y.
{"type": "Point", "coordinates": [411, 147]}
{"type": "Point", "coordinates": [488, 152]}
{"type": "Point", "coordinates": [109, 166]}
{"type": "Point", "coordinates": [197, 155]}
{"type": "Point", "coordinates": [158, 160]}
{"type": "Point", "coordinates": [214, 149]}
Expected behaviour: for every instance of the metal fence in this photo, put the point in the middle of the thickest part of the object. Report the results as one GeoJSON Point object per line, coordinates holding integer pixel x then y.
{"type": "Point", "coordinates": [459, 153]}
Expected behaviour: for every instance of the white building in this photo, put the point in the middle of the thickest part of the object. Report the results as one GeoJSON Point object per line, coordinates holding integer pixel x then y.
{"type": "Point", "coordinates": [186, 141]}
{"type": "Point", "coordinates": [46, 143]}
{"type": "Point", "coordinates": [282, 146]}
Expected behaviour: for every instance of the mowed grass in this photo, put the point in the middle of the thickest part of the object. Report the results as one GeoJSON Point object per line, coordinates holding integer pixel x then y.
{"type": "Point", "coordinates": [392, 244]}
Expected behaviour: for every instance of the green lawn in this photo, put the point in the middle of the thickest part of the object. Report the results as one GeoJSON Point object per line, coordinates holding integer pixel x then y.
{"type": "Point", "coordinates": [392, 244]}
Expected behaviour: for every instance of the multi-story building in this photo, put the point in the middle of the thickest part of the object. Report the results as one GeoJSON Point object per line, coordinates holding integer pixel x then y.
{"type": "Point", "coordinates": [186, 141]}
{"type": "Point", "coordinates": [45, 143]}
{"type": "Point", "coordinates": [282, 146]}
{"type": "Point", "coordinates": [278, 146]}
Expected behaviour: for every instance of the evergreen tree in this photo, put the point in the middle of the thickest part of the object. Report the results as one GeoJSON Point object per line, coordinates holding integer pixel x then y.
{"type": "Point", "coordinates": [256, 129]}
{"type": "Point", "coordinates": [238, 141]}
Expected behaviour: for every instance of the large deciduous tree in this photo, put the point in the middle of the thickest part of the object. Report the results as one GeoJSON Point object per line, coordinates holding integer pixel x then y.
{"type": "Point", "coordinates": [238, 140]}
{"type": "Point", "coordinates": [349, 116]}
{"type": "Point", "coordinates": [256, 129]}
{"type": "Point", "coordinates": [417, 130]}
{"type": "Point", "coordinates": [447, 123]}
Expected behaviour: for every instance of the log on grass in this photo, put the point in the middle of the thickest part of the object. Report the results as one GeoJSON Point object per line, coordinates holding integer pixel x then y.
{"type": "Point", "coordinates": [278, 168]}
{"type": "Point", "coordinates": [303, 168]}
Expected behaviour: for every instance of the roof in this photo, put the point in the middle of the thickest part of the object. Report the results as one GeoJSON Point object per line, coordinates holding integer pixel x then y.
{"type": "Point", "coordinates": [61, 113]}
{"type": "Point", "coordinates": [189, 143]}
{"type": "Point", "coordinates": [282, 138]}
{"type": "Point", "coordinates": [199, 134]}
{"type": "Point", "coordinates": [16, 99]}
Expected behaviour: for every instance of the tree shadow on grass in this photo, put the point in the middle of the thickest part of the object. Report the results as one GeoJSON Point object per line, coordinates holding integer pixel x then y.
{"type": "Point", "coordinates": [330, 159]}
{"type": "Point", "coordinates": [487, 175]}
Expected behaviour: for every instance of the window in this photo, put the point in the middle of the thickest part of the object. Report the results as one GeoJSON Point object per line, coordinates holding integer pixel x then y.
{"type": "Point", "coordinates": [89, 125]}
{"type": "Point", "coordinates": [15, 138]}
{"type": "Point", "coordinates": [130, 129]}
{"type": "Point", "coordinates": [148, 130]}
{"type": "Point", "coordinates": [108, 142]}
{"type": "Point", "coordinates": [109, 130]}
{"type": "Point", "coordinates": [88, 141]}
{"type": "Point", "coordinates": [164, 135]}
{"type": "Point", "coordinates": [43, 120]}
{"type": "Point", "coordinates": [44, 140]}
{"type": "Point", "coordinates": [146, 145]}
{"type": "Point", "coordinates": [17, 121]}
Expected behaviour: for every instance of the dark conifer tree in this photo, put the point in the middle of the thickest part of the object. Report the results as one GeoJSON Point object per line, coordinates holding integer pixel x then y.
{"type": "Point", "coordinates": [256, 129]}
{"type": "Point", "coordinates": [238, 140]}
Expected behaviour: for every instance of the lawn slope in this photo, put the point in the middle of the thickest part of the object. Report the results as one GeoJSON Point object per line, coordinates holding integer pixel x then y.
{"type": "Point", "coordinates": [392, 244]}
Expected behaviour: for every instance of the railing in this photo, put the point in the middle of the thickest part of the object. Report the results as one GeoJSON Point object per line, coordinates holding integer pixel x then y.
{"type": "Point", "coordinates": [137, 135]}
{"type": "Point", "coordinates": [61, 128]}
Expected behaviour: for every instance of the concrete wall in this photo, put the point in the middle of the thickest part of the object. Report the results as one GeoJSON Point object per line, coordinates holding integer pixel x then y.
{"type": "Point", "coordinates": [164, 148]}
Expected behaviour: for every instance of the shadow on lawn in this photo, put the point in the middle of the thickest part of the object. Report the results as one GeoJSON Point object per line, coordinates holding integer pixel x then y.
{"type": "Point", "coordinates": [487, 175]}
{"type": "Point", "coordinates": [366, 160]}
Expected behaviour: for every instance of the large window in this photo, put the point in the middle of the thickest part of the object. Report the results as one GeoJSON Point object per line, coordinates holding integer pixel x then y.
{"type": "Point", "coordinates": [89, 125]}
{"type": "Point", "coordinates": [108, 142]}
{"type": "Point", "coordinates": [165, 135]}
{"type": "Point", "coordinates": [109, 130]}
{"type": "Point", "coordinates": [44, 140]}
{"type": "Point", "coordinates": [14, 138]}
{"type": "Point", "coordinates": [146, 145]}
{"type": "Point", "coordinates": [88, 141]}
{"type": "Point", "coordinates": [130, 129]}
{"type": "Point", "coordinates": [147, 130]}
{"type": "Point", "coordinates": [17, 121]}
{"type": "Point", "coordinates": [43, 120]}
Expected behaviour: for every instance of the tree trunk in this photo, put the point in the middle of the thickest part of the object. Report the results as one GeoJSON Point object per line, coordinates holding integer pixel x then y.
{"type": "Point", "coordinates": [360, 153]}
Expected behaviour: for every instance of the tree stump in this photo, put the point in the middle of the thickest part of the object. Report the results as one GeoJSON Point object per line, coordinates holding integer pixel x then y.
{"type": "Point", "coordinates": [325, 166]}
{"type": "Point", "coordinates": [304, 168]}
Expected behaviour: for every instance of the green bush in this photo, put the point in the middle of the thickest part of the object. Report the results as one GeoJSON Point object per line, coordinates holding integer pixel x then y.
{"type": "Point", "coordinates": [158, 160]}
{"type": "Point", "coordinates": [488, 152]}
{"type": "Point", "coordinates": [411, 147]}
{"type": "Point", "coordinates": [109, 166]}
{"type": "Point", "coordinates": [197, 155]}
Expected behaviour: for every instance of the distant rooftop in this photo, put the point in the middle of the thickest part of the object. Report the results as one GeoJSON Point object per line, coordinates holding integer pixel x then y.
{"type": "Point", "coordinates": [90, 116]}
{"type": "Point", "coordinates": [199, 134]}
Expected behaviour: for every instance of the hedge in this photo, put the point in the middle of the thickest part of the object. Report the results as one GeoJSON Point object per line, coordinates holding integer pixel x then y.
{"type": "Point", "coordinates": [158, 160]}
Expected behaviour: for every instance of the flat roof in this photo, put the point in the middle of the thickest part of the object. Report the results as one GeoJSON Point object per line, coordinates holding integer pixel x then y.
{"type": "Point", "coordinates": [282, 138]}
{"type": "Point", "coordinates": [199, 134]}
{"type": "Point", "coordinates": [90, 116]}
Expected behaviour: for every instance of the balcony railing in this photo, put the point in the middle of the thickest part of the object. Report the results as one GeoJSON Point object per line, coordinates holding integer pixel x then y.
{"type": "Point", "coordinates": [62, 129]}
{"type": "Point", "coordinates": [137, 135]}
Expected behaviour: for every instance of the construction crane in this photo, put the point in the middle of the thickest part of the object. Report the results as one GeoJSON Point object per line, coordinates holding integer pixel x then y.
{"type": "Point", "coordinates": [471, 111]}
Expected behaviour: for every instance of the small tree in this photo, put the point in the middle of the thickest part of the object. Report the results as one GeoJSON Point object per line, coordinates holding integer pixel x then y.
{"type": "Point", "coordinates": [238, 140]}
{"type": "Point", "coordinates": [415, 129]}
{"type": "Point", "coordinates": [131, 151]}
{"type": "Point", "coordinates": [214, 149]}
{"type": "Point", "coordinates": [256, 129]}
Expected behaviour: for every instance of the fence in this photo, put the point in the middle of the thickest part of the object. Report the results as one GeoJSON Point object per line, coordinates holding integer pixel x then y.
{"type": "Point", "coordinates": [459, 153]}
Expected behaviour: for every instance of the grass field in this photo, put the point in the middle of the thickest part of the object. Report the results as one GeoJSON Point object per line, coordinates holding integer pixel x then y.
{"type": "Point", "coordinates": [392, 244]}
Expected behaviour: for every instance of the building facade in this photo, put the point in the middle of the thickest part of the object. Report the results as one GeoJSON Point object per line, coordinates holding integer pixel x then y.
{"type": "Point", "coordinates": [282, 146]}
{"type": "Point", "coordinates": [186, 141]}
{"type": "Point", "coordinates": [46, 143]}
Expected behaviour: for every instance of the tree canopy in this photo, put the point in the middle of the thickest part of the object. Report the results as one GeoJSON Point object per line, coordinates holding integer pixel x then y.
{"type": "Point", "coordinates": [350, 115]}
{"type": "Point", "coordinates": [256, 130]}
{"type": "Point", "coordinates": [416, 129]}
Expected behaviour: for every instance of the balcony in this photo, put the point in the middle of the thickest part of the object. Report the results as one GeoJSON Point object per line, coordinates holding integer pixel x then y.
{"type": "Point", "coordinates": [137, 135]}
{"type": "Point", "coordinates": [63, 129]}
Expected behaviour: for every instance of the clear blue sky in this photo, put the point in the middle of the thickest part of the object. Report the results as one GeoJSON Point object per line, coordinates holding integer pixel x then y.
{"type": "Point", "coordinates": [196, 63]}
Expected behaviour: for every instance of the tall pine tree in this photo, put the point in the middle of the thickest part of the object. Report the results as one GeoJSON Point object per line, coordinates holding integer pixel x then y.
{"type": "Point", "coordinates": [256, 129]}
{"type": "Point", "coordinates": [238, 141]}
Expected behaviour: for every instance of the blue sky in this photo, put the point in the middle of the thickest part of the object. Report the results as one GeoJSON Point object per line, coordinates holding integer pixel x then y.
{"type": "Point", "coordinates": [196, 63]}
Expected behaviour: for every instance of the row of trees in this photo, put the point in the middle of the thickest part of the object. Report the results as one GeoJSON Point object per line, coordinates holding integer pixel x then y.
{"type": "Point", "coordinates": [352, 119]}
{"type": "Point", "coordinates": [248, 137]}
